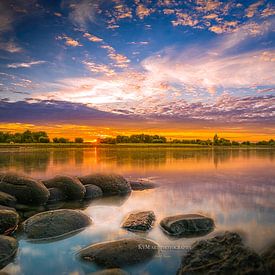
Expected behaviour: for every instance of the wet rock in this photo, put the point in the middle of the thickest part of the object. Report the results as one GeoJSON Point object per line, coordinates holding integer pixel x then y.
{"type": "Point", "coordinates": [72, 188]}
{"type": "Point", "coordinates": [141, 184]}
{"type": "Point", "coordinates": [92, 191]}
{"type": "Point", "coordinates": [120, 253]}
{"type": "Point", "coordinates": [4, 207]}
{"type": "Point", "coordinates": [7, 199]}
{"type": "Point", "coordinates": [223, 254]}
{"type": "Point", "coordinates": [189, 225]}
{"type": "Point", "coordinates": [109, 184]}
{"type": "Point", "coordinates": [140, 221]}
{"type": "Point", "coordinates": [26, 190]}
{"type": "Point", "coordinates": [56, 195]}
{"type": "Point", "coordinates": [8, 221]}
{"type": "Point", "coordinates": [8, 248]}
{"type": "Point", "coordinates": [269, 258]}
{"type": "Point", "coordinates": [111, 271]}
{"type": "Point", "coordinates": [55, 224]}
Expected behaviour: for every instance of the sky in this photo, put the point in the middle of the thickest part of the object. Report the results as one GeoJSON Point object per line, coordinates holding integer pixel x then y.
{"type": "Point", "coordinates": [96, 68]}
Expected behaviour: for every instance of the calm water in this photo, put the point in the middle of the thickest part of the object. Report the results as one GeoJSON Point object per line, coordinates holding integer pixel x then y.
{"type": "Point", "coordinates": [234, 187]}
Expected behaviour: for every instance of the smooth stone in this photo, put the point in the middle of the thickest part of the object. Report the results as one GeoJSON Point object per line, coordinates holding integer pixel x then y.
{"type": "Point", "coordinates": [56, 195]}
{"type": "Point", "coordinates": [269, 258]}
{"type": "Point", "coordinates": [223, 254]}
{"type": "Point", "coordinates": [109, 184]}
{"type": "Point", "coordinates": [139, 221]}
{"type": "Point", "coordinates": [26, 190]}
{"type": "Point", "coordinates": [8, 221]}
{"type": "Point", "coordinates": [54, 224]}
{"type": "Point", "coordinates": [8, 248]}
{"type": "Point", "coordinates": [72, 188]}
{"type": "Point", "coordinates": [188, 225]}
{"type": "Point", "coordinates": [120, 253]}
{"type": "Point", "coordinates": [139, 185]}
{"type": "Point", "coordinates": [4, 207]}
{"type": "Point", "coordinates": [7, 199]}
{"type": "Point", "coordinates": [111, 271]}
{"type": "Point", "coordinates": [92, 191]}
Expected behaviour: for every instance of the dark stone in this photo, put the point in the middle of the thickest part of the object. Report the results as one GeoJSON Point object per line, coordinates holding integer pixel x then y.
{"type": "Point", "coordinates": [72, 188]}
{"type": "Point", "coordinates": [140, 221]}
{"type": "Point", "coordinates": [92, 191]}
{"type": "Point", "coordinates": [223, 254]}
{"type": "Point", "coordinates": [269, 258]}
{"type": "Point", "coordinates": [8, 221]}
{"type": "Point", "coordinates": [141, 184]}
{"type": "Point", "coordinates": [111, 271]}
{"type": "Point", "coordinates": [8, 248]}
{"type": "Point", "coordinates": [109, 184]}
{"type": "Point", "coordinates": [120, 253]}
{"type": "Point", "coordinates": [54, 224]}
{"type": "Point", "coordinates": [26, 190]}
{"type": "Point", "coordinates": [56, 195]}
{"type": "Point", "coordinates": [7, 199]}
{"type": "Point", "coordinates": [189, 225]}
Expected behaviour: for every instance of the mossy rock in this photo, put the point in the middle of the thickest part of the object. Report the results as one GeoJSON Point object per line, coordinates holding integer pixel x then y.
{"type": "Point", "coordinates": [26, 190]}
{"type": "Point", "coordinates": [92, 192]}
{"type": "Point", "coordinates": [8, 221]}
{"type": "Point", "coordinates": [8, 248]}
{"type": "Point", "coordinates": [139, 221]}
{"type": "Point", "coordinates": [7, 199]}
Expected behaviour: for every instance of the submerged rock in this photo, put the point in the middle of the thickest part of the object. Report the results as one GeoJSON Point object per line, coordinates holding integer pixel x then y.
{"type": "Point", "coordinates": [188, 225]}
{"type": "Point", "coordinates": [140, 221]}
{"type": "Point", "coordinates": [109, 184]}
{"type": "Point", "coordinates": [8, 248]}
{"type": "Point", "coordinates": [111, 271]}
{"type": "Point", "coordinates": [54, 224]}
{"type": "Point", "coordinates": [56, 195]}
{"type": "Point", "coordinates": [7, 199]}
{"type": "Point", "coordinates": [120, 253]}
{"type": "Point", "coordinates": [269, 258]}
{"type": "Point", "coordinates": [141, 184]}
{"type": "Point", "coordinates": [8, 221]}
{"type": "Point", "coordinates": [72, 188]}
{"type": "Point", "coordinates": [26, 190]}
{"type": "Point", "coordinates": [92, 191]}
{"type": "Point", "coordinates": [223, 254]}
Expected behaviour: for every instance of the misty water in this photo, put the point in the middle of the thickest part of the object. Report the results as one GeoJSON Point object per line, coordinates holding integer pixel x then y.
{"type": "Point", "coordinates": [236, 187]}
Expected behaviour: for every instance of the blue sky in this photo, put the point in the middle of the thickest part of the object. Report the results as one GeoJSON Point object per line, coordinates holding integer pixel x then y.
{"type": "Point", "coordinates": [154, 60]}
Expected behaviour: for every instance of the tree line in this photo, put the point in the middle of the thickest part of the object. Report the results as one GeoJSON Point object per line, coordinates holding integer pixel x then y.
{"type": "Point", "coordinates": [142, 138]}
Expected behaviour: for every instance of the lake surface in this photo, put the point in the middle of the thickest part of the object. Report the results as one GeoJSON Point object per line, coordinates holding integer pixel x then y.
{"type": "Point", "coordinates": [234, 187]}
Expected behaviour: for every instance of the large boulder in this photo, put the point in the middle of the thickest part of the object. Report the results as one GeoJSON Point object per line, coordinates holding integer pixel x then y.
{"type": "Point", "coordinates": [223, 254]}
{"type": "Point", "coordinates": [139, 221]}
{"type": "Point", "coordinates": [7, 199]}
{"type": "Point", "coordinates": [269, 258]}
{"type": "Point", "coordinates": [120, 253]}
{"type": "Point", "coordinates": [109, 184]}
{"type": "Point", "coordinates": [110, 271]}
{"type": "Point", "coordinates": [26, 190]}
{"type": "Point", "coordinates": [55, 224]}
{"type": "Point", "coordinates": [72, 188]}
{"type": "Point", "coordinates": [188, 225]}
{"type": "Point", "coordinates": [56, 195]}
{"type": "Point", "coordinates": [92, 192]}
{"type": "Point", "coordinates": [8, 248]}
{"type": "Point", "coordinates": [8, 221]}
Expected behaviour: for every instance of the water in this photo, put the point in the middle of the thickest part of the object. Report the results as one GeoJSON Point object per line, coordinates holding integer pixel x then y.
{"type": "Point", "coordinates": [234, 187]}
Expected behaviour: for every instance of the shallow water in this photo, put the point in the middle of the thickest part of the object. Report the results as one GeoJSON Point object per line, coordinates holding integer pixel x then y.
{"type": "Point", "coordinates": [234, 187]}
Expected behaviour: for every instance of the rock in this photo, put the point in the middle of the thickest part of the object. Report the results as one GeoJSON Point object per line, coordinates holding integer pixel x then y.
{"type": "Point", "coordinates": [140, 221]}
{"type": "Point", "coordinates": [92, 191]}
{"type": "Point", "coordinates": [56, 195]}
{"type": "Point", "coordinates": [120, 253]}
{"type": "Point", "coordinates": [223, 254]}
{"type": "Point", "coordinates": [4, 207]}
{"type": "Point", "coordinates": [111, 271]}
{"type": "Point", "coordinates": [72, 188]}
{"type": "Point", "coordinates": [8, 221]}
{"type": "Point", "coordinates": [188, 225]}
{"type": "Point", "coordinates": [55, 224]}
{"type": "Point", "coordinates": [8, 248]}
{"type": "Point", "coordinates": [269, 258]}
{"type": "Point", "coordinates": [109, 184]}
{"type": "Point", "coordinates": [26, 190]}
{"type": "Point", "coordinates": [7, 199]}
{"type": "Point", "coordinates": [141, 184]}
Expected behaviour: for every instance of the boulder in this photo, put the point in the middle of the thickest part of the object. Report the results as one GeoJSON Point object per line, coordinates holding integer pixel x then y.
{"type": "Point", "coordinates": [120, 253]}
{"type": "Point", "coordinates": [8, 248]}
{"type": "Point", "coordinates": [55, 224]}
{"type": "Point", "coordinates": [111, 271]}
{"type": "Point", "coordinates": [269, 258]}
{"type": "Point", "coordinates": [92, 191]}
{"type": "Point", "coordinates": [109, 184]}
{"type": "Point", "coordinates": [7, 199]}
{"type": "Point", "coordinates": [72, 188]}
{"type": "Point", "coordinates": [139, 221]}
{"type": "Point", "coordinates": [56, 195]}
{"type": "Point", "coordinates": [188, 225]}
{"type": "Point", "coordinates": [223, 254]}
{"type": "Point", "coordinates": [26, 190]}
{"type": "Point", "coordinates": [140, 184]}
{"type": "Point", "coordinates": [8, 221]}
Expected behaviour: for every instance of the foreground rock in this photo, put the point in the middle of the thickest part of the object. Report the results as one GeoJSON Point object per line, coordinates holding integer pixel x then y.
{"type": "Point", "coordinates": [140, 184]}
{"type": "Point", "coordinates": [8, 248]}
{"type": "Point", "coordinates": [92, 192]}
{"type": "Point", "coordinates": [8, 221]}
{"type": "Point", "coordinates": [109, 184]}
{"type": "Point", "coordinates": [56, 195]}
{"type": "Point", "coordinates": [26, 190]}
{"type": "Point", "coordinates": [111, 271]}
{"type": "Point", "coordinates": [189, 225]}
{"type": "Point", "coordinates": [7, 199]}
{"type": "Point", "coordinates": [140, 221]}
{"type": "Point", "coordinates": [269, 258]}
{"type": "Point", "coordinates": [224, 254]}
{"type": "Point", "coordinates": [120, 253]}
{"type": "Point", "coordinates": [71, 187]}
{"type": "Point", "coordinates": [55, 224]}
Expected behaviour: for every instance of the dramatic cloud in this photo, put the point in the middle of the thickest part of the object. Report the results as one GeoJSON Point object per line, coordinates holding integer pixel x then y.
{"type": "Point", "coordinates": [25, 64]}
